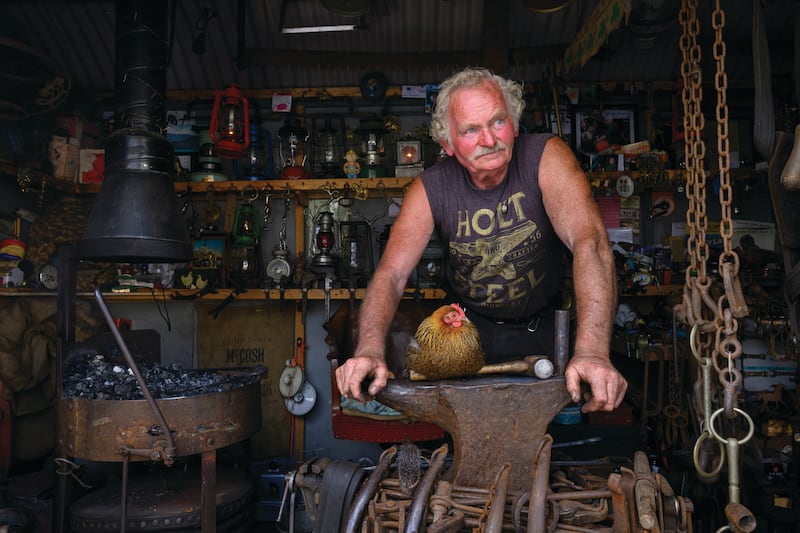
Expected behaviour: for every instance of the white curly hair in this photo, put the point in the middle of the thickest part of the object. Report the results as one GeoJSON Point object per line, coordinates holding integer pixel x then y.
{"type": "Point", "coordinates": [473, 77]}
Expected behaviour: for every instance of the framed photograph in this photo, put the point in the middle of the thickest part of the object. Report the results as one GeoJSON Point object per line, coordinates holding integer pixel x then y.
{"type": "Point", "coordinates": [431, 92]}
{"type": "Point", "coordinates": [596, 129]}
{"type": "Point", "coordinates": [209, 252]}
{"type": "Point", "coordinates": [208, 265]}
{"type": "Point", "coordinates": [408, 152]}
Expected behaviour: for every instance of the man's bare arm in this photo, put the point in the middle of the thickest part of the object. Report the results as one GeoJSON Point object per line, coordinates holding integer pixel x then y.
{"type": "Point", "coordinates": [576, 219]}
{"type": "Point", "coordinates": [409, 237]}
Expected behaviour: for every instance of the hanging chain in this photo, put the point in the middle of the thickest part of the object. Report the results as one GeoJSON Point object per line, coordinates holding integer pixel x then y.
{"type": "Point", "coordinates": [729, 306]}
{"type": "Point", "coordinates": [727, 345]}
{"type": "Point", "coordinates": [282, 235]}
{"type": "Point", "coordinates": [693, 124]}
{"type": "Point", "coordinates": [728, 259]}
{"type": "Point", "coordinates": [721, 86]}
{"type": "Point", "coordinates": [267, 213]}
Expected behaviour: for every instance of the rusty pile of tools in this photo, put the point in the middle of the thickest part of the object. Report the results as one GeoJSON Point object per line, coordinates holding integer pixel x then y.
{"type": "Point", "coordinates": [561, 498]}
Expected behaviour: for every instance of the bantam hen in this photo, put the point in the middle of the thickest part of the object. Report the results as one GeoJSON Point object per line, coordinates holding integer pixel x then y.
{"type": "Point", "coordinates": [446, 345]}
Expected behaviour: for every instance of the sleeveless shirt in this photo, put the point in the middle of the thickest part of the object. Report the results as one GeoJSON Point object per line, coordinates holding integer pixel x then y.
{"type": "Point", "coordinates": [503, 263]}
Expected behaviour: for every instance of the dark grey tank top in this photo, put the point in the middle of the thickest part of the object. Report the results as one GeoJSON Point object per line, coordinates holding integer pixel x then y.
{"type": "Point", "coordinates": [503, 262]}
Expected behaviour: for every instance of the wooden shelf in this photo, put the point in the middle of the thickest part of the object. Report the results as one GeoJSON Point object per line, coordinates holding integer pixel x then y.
{"type": "Point", "coordinates": [180, 295]}
{"type": "Point", "coordinates": [308, 185]}
{"type": "Point", "coordinates": [38, 177]}
{"type": "Point", "coordinates": [671, 175]}
{"type": "Point", "coordinates": [321, 185]}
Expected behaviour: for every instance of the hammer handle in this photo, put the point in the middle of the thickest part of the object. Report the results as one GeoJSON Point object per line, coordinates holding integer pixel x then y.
{"type": "Point", "coordinates": [519, 367]}
{"type": "Point", "coordinates": [509, 367]}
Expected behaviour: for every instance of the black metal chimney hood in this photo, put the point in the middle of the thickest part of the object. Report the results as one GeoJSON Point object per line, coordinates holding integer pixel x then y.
{"type": "Point", "coordinates": [136, 216]}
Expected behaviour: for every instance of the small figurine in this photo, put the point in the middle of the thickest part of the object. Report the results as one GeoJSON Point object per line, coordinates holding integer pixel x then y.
{"type": "Point", "coordinates": [351, 167]}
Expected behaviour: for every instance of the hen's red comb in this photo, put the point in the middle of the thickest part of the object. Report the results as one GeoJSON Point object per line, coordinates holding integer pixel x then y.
{"type": "Point", "coordinates": [458, 307]}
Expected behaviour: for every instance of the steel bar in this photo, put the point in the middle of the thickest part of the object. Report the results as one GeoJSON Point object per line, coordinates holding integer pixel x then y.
{"type": "Point", "coordinates": [416, 515]}
{"type": "Point", "coordinates": [169, 452]}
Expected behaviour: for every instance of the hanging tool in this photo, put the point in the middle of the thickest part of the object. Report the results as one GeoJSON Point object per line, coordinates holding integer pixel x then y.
{"type": "Point", "coordinates": [299, 395]}
{"type": "Point", "coordinates": [212, 211]}
{"type": "Point", "coordinates": [328, 286]}
{"type": "Point", "coordinates": [234, 294]}
{"type": "Point", "coordinates": [304, 302]}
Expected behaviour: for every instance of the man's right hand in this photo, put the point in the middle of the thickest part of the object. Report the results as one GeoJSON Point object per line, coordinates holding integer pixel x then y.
{"type": "Point", "coordinates": [359, 370]}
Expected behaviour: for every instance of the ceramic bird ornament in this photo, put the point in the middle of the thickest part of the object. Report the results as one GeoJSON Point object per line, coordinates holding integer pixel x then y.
{"type": "Point", "coordinates": [446, 345]}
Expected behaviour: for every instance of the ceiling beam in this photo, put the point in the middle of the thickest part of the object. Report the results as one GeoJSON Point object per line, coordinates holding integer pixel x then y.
{"type": "Point", "coordinates": [261, 57]}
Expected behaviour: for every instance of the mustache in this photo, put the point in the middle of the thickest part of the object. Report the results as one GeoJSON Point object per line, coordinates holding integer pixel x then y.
{"type": "Point", "coordinates": [486, 150]}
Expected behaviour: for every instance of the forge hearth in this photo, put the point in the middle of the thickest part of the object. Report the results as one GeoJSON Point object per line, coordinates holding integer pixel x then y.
{"type": "Point", "coordinates": [97, 376]}
{"type": "Point", "coordinates": [101, 413]}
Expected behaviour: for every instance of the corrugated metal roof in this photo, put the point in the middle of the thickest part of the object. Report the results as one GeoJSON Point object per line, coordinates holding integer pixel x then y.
{"type": "Point", "coordinates": [435, 35]}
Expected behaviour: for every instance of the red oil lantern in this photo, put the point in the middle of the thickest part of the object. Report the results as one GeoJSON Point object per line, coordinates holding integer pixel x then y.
{"type": "Point", "coordinates": [230, 123]}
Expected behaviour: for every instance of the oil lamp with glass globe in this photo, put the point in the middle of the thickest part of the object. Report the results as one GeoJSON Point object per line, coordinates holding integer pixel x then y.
{"type": "Point", "coordinates": [230, 123]}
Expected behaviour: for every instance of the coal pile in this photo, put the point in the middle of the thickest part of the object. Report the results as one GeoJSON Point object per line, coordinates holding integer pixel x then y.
{"type": "Point", "coordinates": [96, 376]}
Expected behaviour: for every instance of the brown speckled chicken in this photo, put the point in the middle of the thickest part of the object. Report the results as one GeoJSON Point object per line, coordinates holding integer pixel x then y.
{"type": "Point", "coordinates": [446, 345]}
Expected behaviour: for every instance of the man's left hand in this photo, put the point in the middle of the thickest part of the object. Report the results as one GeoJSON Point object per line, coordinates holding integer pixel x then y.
{"type": "Point", "coordinates": [607, 386]}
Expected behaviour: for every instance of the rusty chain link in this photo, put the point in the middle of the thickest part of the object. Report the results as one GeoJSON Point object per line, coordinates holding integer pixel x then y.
{"type": "Point", "coordinates": [693, 124]}
{"type": "Point", "coordinates": [720, 346]}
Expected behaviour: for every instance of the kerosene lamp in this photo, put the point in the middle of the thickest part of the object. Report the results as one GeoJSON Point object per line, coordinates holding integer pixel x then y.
{"type": "Point", "coordinates": [409, 162]}
{"type": "Point", "coordinates": [244, 266]}
{"type": "Point", "coordinates": [372, 148]}
{"type": "Point", "coordinates": [230, 123]}
{"type": "Point", "coordinates": [328, 150]}
{"type": "Point", "coordinates": [256, 163]}
{"type": "Point", "coordinates": [324, 248]}
{"type": "Point", "coordinates": [356, 257]}
{"type": "Point", "coordinates": [292, 139]}
{"type": "Point", "coordinates": [208, 162]}
{"type": "Point", "coordinates": [246, 225]}
{"type": "Point", "coordinates": [430, 269]}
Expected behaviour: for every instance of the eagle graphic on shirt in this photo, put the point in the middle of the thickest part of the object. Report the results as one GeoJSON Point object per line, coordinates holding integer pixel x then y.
{"type": "Point", "coordinates": [498, 255]}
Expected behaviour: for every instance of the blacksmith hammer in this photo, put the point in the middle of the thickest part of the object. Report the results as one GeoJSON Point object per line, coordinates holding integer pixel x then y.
{"type": "Point", "coordinates": [538, 366]}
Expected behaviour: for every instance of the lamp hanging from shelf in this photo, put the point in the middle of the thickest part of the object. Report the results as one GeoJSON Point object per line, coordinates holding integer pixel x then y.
{"type": "Point", "coordinates": [357, 263]}
{"type": "Point", "coordinates": [246, 224]}
{"type": "Point", "coordinates": [325, 246]}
